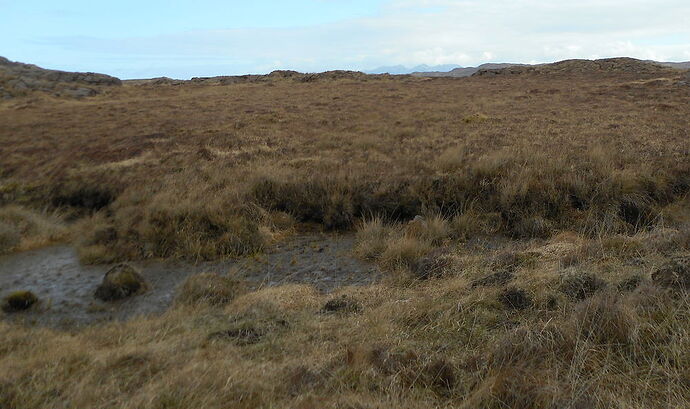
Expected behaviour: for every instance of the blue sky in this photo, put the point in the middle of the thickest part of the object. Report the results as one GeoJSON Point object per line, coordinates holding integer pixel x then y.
{"type": "Point", "coordinates": [182, 39]}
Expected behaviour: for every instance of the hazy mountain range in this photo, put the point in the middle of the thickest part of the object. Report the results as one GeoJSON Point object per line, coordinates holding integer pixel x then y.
{"type": "Point", "coordinates": [401, 69]}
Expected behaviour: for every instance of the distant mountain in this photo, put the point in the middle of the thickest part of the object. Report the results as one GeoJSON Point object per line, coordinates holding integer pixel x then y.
{"type": "Point", "coordinates": [464, 72]}
{"type": "Point", "coordinates": [401, 69]}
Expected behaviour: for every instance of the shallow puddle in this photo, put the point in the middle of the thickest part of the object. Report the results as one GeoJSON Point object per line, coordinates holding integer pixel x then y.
{"type": "Point", "coordinates": [66, 287]}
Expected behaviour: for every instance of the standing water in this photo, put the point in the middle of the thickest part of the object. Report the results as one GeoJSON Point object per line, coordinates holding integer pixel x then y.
{"type": "Point", "coordinates": [65, 287]}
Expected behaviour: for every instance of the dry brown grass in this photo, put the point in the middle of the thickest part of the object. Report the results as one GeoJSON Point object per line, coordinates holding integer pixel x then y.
{"type": "Point", "coordinates": [605, 156]}
{"type": "Point", "coordinates": [24, 229]}
{"type": "Point", "coordinates": [567, 194]}
{"type": "Point", "coordinates": [208, 288]}
{"type": "Point", "coordinates": [434, 343]}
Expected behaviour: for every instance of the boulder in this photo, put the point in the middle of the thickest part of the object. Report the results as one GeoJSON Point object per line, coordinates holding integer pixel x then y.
{"type": "Point", "coordinates": [120, 282]}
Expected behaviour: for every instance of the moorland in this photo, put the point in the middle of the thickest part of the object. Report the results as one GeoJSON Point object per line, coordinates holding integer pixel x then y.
{"type": "Point", "coordinates": [531, 227]}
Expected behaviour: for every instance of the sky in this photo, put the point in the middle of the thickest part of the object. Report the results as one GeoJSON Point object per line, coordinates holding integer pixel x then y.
{"type": "Point", "coordinates": [184, 39]}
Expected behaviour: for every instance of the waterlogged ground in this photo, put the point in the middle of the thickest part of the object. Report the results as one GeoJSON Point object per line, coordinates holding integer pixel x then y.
{"type": "Point", "coordinates": [66, 287]}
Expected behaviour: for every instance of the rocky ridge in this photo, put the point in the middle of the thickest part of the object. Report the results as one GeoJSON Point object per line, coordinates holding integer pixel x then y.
{"type": "Point", "coordinates": [17, 79]}
{"type": "Point", "coordinates": [278, 75]}
{"type": "Point", "coordinates": [576, 66]}
{"type": "Point", "coordinates": [621, 64]}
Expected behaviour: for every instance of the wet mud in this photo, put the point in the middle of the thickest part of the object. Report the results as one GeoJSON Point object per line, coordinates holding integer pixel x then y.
{"type": "Point", "coordinates": [66, 288]}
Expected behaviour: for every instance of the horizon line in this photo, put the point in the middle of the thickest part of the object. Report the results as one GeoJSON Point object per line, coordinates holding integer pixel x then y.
{"type": "Point", "coordinates": [363, 71]}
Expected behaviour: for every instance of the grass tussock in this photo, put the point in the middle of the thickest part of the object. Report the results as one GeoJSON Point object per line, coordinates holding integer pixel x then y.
{"type": "Point", "coordinates": [120, 282]}
{"type": "Point", "coordinates": [170, 229]}
{"type": "Point", "coordinates": [24, 229]}
{"type": "Point", "coordinates": [19, 301]}
{"type": "Point", "coordinates": [403, 252]}
{"type": "Point", "coordinates": [402, 247]}
{"type": "Point", "coordinates": [208, 288]}
{"type": "Point", "coordinates": [9, 237]}
{"type": "Point", "coordinates": [372, 237]}
{"type": "Point", "coordinates": [545, 365]}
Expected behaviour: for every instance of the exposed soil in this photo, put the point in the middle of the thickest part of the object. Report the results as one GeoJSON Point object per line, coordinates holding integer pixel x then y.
{"type": "Point", "coordinates": [66, 288]}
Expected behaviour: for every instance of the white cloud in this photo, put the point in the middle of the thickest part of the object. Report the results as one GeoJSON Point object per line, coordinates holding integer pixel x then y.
{"type": "Point", "coordinates": [418, 32]}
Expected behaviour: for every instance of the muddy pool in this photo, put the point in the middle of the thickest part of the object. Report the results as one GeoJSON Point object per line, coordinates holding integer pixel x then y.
{"type": "Point", "coordinates": [65, 287]}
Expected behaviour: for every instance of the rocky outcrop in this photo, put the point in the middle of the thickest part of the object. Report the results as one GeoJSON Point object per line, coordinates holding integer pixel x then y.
{"type": "Point", "coordinates": [155, 81]}
{"type": "Point", "coordinates": [337, 75]}
{"type": "Point", "coordinates": [281, 75]}
{"type": "Point", "coordinates": [284, 74]}
{"type": "Point", "coordinates": [18, 79]}
{"type": "Point", "coordinates": [608, 65]}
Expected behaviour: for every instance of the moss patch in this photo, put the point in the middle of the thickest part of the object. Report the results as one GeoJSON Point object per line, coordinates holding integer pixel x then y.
{"type": "Point", "coordinates": [121, 282]}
